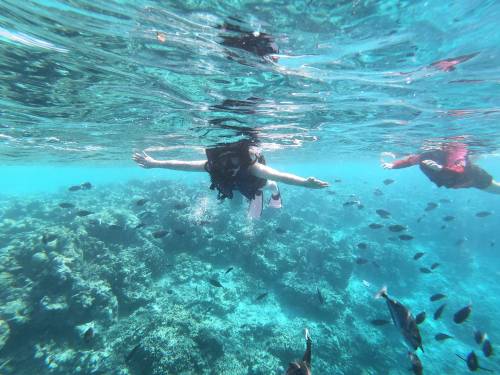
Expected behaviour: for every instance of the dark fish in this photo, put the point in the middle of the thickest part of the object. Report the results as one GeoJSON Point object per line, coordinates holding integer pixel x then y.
{"type": "Point", "coordinates": [228, 270]}
{"type": "Point", "coordinates": [375, 264]}
{"type": "Point", "coordinates": [460, 242]}
{"type": "Point", "coordinates": [406, 237]}
{"type": "Point", "coordinates": [461, 315]}
{"type": "Point", "coordinates": [383, 213]}
{"type": "Point", "coordinates": [443, 226]}
{"type": "Point", "coordinates": [160, 233]}
{"type": "Point", "coordinates": [280, 230]}
{"type": "Point", "coordinates": [416, 365]}
{"type": "Point", "coordinates": [479, 336]}
{"type": "Point", "coordinates": [444, 200]}
{"type": "Point", "coordinates": [375, 226]}
{"type": "Point", "coordinates": [181, 206]}
{"type": "Point", "coordinates": [425, 270]}
{"type": "Point", "coordinates": [430, 206]}
{"type": "Point", "coordinates": [86, 186]}
{"type": "Point", "coordinates": [396, 228]}
{"type": "Point", "coordinates": [439, 311]}
{"type": "Point", "coordinates": [360, 260]}
{"type": "Point", "coordinates": [404, 320]}
{"type": "Point", "coordinates": [388, 181]}
{"type": "Point", "coordinates": [434, 266]}
{"type": "Point", "coordinates": [179, 231]}
{"type": "Point", "coordinates": [472, 362]}
{"type": "Point", "coordinates": [66, 205]}
{"type": "Point", "coordinates": [115, 227]}
{"type": "Point", "coordinates": [141, 202]}
{"type": "Point", "coordinates": [442, 337]}
{"type": "Point", "coordinates": [362, 246]}
{"type": "Point", "coordinates": [418, 255]}
{"type": "Point", "coordinates": [140, 225]}
{"type": "Point", "coordinates": [83, 213]}
{"type": "Point", "coordinates": [379, 322]}
{"type": "Point", "coordinates": [331, 192]}
{"type": "Point", "coordinates": [419, 319]}
{"type": "Point", "coordinates": [448, 218]}
{"type": "Point", "coordinates": [437, 297]}
{"type": "Point", "coordinates": [378, 192]}
{"type": "Point", "coordinates": [338, 180]}
{"type": "Point", "coordinates": [487, 348]}
{"type": "Point", "coordinates": [360, 206]}
{"type": "Point", "coordinates": [260, 296]}
{"type": "Point", "coordinates": [420, 218]}
{"type": "Point", "coordinates": [215, 283]}
{"type": "Point", "coordinates": [320, 296]}
{"type": "Point", "coordinates": [483, 213]}
{"type": "Point", "coordinates": [75, 188]}
{"type": "Point", "coordinates": [46, 238]}
{"type": "Point", "coordinates": [132, 353]}
{"type": "Point", "coordinates": [88, 335]}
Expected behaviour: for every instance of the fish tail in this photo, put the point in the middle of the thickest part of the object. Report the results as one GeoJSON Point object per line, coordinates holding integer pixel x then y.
{"type": "Point", "coordinates": [382, 293]}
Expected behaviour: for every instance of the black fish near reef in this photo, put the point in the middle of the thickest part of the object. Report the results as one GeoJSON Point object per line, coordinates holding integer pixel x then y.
{"type": "Point", "coordinates": [321, 299]}
{"type": "Point", "coordinates": [260, 297]}
{"type": "Point", "coordinates": [430, 206]}
{"type": "Point", "coordinates": [379, 322]}
{"type": "Point", "coordinates": [419, 319]}
{"type": "Point", "coordinates": [75, 188]}
{"type": "Point", "coordinates": [383, 213]}
{"type": "Point", "coordinates": [66, 205]}
{"type": "Point", "coordinates": [418, 255]}
{"type": "Point", "coordinates": [215, 283]}
{"type": "Point", "coordinates": [479, 336]}
{"type": "Point", "coordinates": [442, 337]}
{"type": "Point", "coordinates": [228, 270]}
{"type": "Point", "coordinates": [378, 192]}
{"type": "Point", "coordinates": [487, 348]}
{"type": "Point", "coordinates": [396, 228]}
{"type": "Point", "coordinates": [388, 181]}
{"type": "Point", "coordinates": [361, 261]}
{"type": "Point", "coordinates": [444, 200]}
{"type": "Point", "coordinates": [448, 218]}
{"type": "Point", "coordinates": [362, 246]}
{"type": "Point", "coordinates": [405, 237]}
{"type": "Point", "coordinates": [425, 270]}
{"type": "Point", "coordinates": [280, 230]}
{"type": "Point", "coordinates": [439, 311]}
{"type": "Point", "coordinates": [83, 213]}
{"type": "Point", "coordinates": [472, 362]}
{"type": "Point", "coordinates": [86, 186]}
{"type": "Point", "coordinates": [416, 365]}
{"type": "Point", "coordinates": [461, 315]}
{"type": "Point", "coordinates": [160, 233]}
{"type": "Point", "coordinates": [375, 226]}
{"type": "Point", "coordinates": [437, 297]}
{"type": "Point", "coordinates": [483, 213]}
{"type": "Point", "coordinates": [403, 319]}
{"type": "Point", "coordinates": [141, 202]}
{"type": "Point", "coordinates": [434, 266]}
{"type": "Point", "coordinates": [46, 238]}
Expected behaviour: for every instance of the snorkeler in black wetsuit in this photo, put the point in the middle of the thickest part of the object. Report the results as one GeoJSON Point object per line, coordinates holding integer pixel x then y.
{"type": "Point", "coordinates": [303, 367]}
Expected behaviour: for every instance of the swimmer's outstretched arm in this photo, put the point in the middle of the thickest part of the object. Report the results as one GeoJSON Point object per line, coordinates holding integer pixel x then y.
{"type": "Point", "coordinates": [494, 188]}
{"type": "Point", "coordinates": [146, 161]}
{"type": "Point", "coordinates": [268, 173]}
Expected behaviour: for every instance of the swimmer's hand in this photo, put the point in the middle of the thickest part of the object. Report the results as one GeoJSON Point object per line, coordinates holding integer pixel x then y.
{"type": "Point", "coordinates": [432, 165]}
{"type": "Point", "coordinates": [314, 183]}
{"type": "Point", "coordinates": [387, 165]}
{"type": "Point", "coordinates": [144, 160]}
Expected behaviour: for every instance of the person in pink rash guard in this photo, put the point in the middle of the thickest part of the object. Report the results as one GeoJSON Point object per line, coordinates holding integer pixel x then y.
{"type": "Point", "coordinates": [449, 167]}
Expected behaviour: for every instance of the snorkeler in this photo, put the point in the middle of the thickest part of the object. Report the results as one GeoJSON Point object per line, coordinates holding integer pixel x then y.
{"type": "Point", "coordinates": [236, 167]}
{"type": "Point", "coordinates": [449, 166]}
{"type": "Point", "coordinates": [303, 367]}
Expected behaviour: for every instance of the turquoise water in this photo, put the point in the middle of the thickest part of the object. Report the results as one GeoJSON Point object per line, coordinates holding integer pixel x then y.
{"type": "Point", "coordinates": [85, 84]}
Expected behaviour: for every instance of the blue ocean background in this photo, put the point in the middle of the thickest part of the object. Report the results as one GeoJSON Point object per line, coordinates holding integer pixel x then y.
{"type": "Point", "coordinates": [85, 84]}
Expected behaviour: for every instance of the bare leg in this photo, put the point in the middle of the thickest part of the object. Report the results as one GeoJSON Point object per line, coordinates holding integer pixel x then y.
{"type": "Point", "coordinates": [275, 201]}
{"type": "Point", "coordinates": [494, 188]}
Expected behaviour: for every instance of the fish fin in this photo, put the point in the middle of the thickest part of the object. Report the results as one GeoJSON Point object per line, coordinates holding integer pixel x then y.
{"type": "Point", "coordinates": [382, 293]}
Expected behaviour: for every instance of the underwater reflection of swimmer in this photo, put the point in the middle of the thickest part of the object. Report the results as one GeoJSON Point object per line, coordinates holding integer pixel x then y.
{"type": "Point", "coordinates": [236, 167]}
{"type": "Point", "coordinates": [256, 42]}
{"type": "Point", "coordinates": [303, 367]}
{"type": "Point", "coordinates": [449, 166]}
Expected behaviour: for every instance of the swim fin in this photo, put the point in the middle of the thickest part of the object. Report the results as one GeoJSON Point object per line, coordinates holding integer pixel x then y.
{"type": "Point", "coordinates": [275, 200]}
{"type": "Point", "coordinates": [256, 205]}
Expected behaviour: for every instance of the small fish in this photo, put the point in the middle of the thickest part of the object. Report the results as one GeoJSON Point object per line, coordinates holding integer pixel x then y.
{"type": "Point", "coordinates": [434, 266]}
{"type": "Point", "coordinates": [115, 227]}
{"type": "Point", "coordinates": [66, 205]}
{"type": "Point", "coordinates": [362, 246]}
{"type": "Point", "coordinates": [472, 362]}
{"type": "Point", "coordinates": [280, 230]}
{"type": "Point", "coordinates": [179, 231]}
{"type": "Point", "coordinates": [479, 336]}
{"type": "Point", "coordinates": [425, 270]}
{"type": "Point", "coordinates": [442, 337]}
{"type": "Point", "coordinates": [383, 213]}
{"type": "Point", "coordinates": [439, 311]}
{"type": "Point", "coordinates": [361, 261]}
{"type": "Point", "coordinates": [83, 213]}
{"type": "Point", "coordinates": [403, 319]}
{"type": "Point", "coordinates": [378, 192]}
{"type": "Point", "coordinates": [444, 200]}
{"type": "Point", "coordinates": [160, 233]}
{"type": "Point", "coordinates": [375, 264]}
{"type": "Point", "coordinates": [430, 206]}
{"type": "Point", "coordinates": [46, 238]}
{"type": "Point", "coordinates": [132, 353]}
{"type": "Point", "coordinates": [181, 206]}
{"type": "Point", "coordinates": [483, 213]}
{"type": "Point", "coordinates": [420, 218]}
{"type": "Point", "coordinates": [86, 186]}
{"type": "Point", "coordinates": [260, 297]}
{"type": "Point", "coordinates": [88, 335]}
{"type": "Point", "coordinates": [437, 297]}
{"type": "Point", "coordinates": [320, 296]}
{"type": "Point", "coordinates": [388, 181]}
{"type": "Point", "coordinates": [461, 315]}
{"type": "Point", "coordinates": [75, 188]}
{"type": "Point", "coordinates": [418, 255]}
{"type": "Point", "coordinates": [228, 270]}
{"type": "Point", "coordinates": [406, 237]}
{"type": "Point", "coordinates": [360, 206]}
{"type": "Point", "coordinates": [448, 218]}
{"type": "Point", "coordinates": [419, 319]}
{"type": "Point", "coordinates": [140, 225]}
{"type": "Point", "coordinates": [379, 322]}
{"type": "Point", "coordinates": [443, 227]}
{"type": "Point", "coordinates": [416, 365]}
{"type": "Point", "coordinates": [396, 228]}
{"type": "Point", "coordinates": [375, 226]}
{"type": "Point", "coordinates": [215, 283]}
{"type": "Point", "coordinates": [141, 202]}
{"type": "Point", "coordinates": [460, 242]}
{"type": "Point", "coordinates": [338, 180]}
{"type": "Point", "coordinates": [487, 348]}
